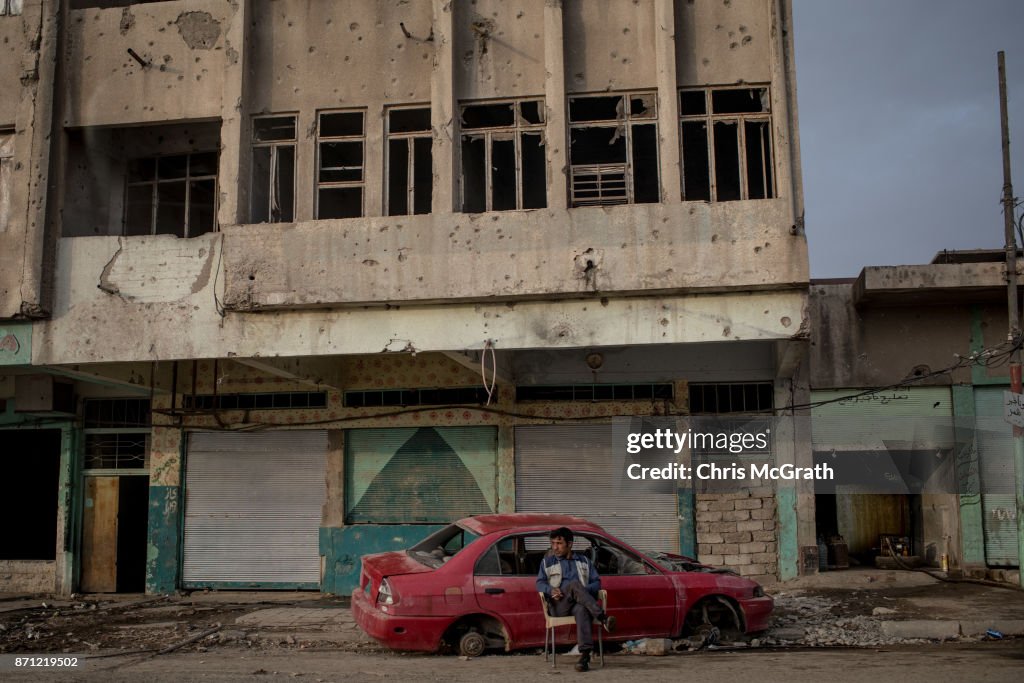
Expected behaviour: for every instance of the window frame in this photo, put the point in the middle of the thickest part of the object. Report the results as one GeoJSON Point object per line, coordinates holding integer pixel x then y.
{"type": "Point", "coordinates": [710, 118]}
{"type": "Point", "coordinates": [410, 171]}
{"type": "Point", "coordinates": [332, 184]}
{"type": "Point", "coordinates": [627, 122]}
{"type": "Point", "coordinates": [156, 182]}
{"type": "Point", "coordinates": [141, 430]}
{"type": "Point", "coordinates": [517, 129]}
{"type": "Point", "coordinates": [275, 146]}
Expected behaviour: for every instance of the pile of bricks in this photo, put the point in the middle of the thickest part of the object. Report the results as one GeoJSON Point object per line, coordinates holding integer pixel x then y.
{"type": "Point", "coordinates": [737, 530]}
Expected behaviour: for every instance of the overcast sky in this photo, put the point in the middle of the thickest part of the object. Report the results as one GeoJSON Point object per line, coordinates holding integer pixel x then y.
{"type": "Point", "coordinates": [899, 127]}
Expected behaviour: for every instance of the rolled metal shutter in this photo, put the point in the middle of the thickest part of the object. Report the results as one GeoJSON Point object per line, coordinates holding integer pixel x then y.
{"type": "Point", "coordinates": [253, 509]}
{"type": "Point", "coordinates": [995, 455]}
{"type": "Point", "coordinates": [571, 469]}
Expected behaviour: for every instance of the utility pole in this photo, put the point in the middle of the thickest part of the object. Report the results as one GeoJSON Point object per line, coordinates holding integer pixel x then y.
{"type": "Point", "coordinates": [1012, 309]}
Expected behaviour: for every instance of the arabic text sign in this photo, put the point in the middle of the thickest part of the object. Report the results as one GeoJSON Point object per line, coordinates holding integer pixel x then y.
{"type": "Point", "coordinates": [1013, 408]}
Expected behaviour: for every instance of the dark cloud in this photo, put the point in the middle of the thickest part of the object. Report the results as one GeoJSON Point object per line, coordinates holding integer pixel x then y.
{"type": "Point", "coordinates": [899, 127]}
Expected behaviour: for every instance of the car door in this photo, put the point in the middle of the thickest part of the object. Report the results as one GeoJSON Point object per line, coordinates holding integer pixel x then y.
{"type": "Point", "coordinates": [505, 586]}
{"type": "Point", "coordinates": [640, 596]}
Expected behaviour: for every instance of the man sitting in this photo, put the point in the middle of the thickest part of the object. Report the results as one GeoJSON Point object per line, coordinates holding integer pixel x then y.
{"type": "Point", "coordinates": [571, 583]}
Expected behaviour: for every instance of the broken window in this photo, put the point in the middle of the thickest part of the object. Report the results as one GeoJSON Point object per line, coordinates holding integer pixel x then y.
{"type": "Point", "coordinates": [273, 170]}
{"type": "Point", "coordinates": [341, 141]}
{"type": "Point", "coordinates": [726, 140]}
{"type": "Point", "coordinates": [503, 164]}
{"type": "Point", "coordinates": [6, 176]}
{"type": "Point", "coordinates": [172, 195]}
{"type": "Point", "coordinates": [613, 149]}
{"type": "Point", "coordinates": [10, 7]}
{"type": "Point", "coordinates": [410, 171]}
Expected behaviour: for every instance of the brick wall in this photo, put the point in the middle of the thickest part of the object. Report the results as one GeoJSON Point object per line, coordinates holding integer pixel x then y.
{"type": "Point", "coordinates": [737, 530]}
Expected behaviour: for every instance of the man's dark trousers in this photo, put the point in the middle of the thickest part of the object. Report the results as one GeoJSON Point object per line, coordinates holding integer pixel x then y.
{"type": "Point", "coordinates": [578, 602]}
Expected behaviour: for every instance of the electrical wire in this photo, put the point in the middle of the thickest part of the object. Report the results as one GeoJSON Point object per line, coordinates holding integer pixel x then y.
{"type": "Point", "coordinates": [489, 388]}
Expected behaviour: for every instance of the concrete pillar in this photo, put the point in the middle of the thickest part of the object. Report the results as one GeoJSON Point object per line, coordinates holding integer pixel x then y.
{"type": "Point", "coordinates": [788, 180]}
{"type": "Point", "coordinates": [236, 124]}
{"type": "Point", "coordinates": [444, 111]}
{"type": "Point", "coordinates": [38, 138]}
{"type": "Point", "coordinates": [305, 165]}
{"type": "Point", "coordinates": [164, 534]}
{"type": "Point", "coordinates": [68, 511]}
{"type": "Point", "coordinates": [557, 144]}
{"type": "Point", "coordinates": [668, 101]}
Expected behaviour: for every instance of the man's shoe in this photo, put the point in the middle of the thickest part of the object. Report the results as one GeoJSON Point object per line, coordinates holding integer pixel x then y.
{"type": "Point", "coordinates": [584, 662]}
{"type": "Point", "coordinates": [608, 622]}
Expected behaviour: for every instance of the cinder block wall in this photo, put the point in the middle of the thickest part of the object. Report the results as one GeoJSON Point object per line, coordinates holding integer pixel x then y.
{"type": "Point", "coordinates": [738, 531]}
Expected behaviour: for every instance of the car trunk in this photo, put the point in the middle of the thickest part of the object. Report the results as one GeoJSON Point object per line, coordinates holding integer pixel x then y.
{"type": "Point", "coordinates": [381, 565]}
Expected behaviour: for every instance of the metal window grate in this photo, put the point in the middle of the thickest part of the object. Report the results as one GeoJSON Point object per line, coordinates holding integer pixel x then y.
{"type": "Point", "coordinates": [414, 397]}
{"type": "Point", "coordinates": [596, 392]}
{"type": "Point", "coordinates": [117, 451]}
{"type": "Point", "coordinates": [116, 413]}
{"type": "Point", "coordinates": [735, 397]}
{"type": "Point", "coordinates": [261, 401]}
{"type": "Point", "coordinates": [599, 185]}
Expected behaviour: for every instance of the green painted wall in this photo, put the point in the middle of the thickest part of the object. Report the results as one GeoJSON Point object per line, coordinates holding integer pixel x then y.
{"type": "Point", "coordinates": [15, 343]}
{"type": "Point", "coordinates": [972, 537]}
{"type": "Point", "coordinates": [342, 547]}
{"type": "Point", "coordinates": [163, 548]}
{"type": "Point", "coordinates": [789, 548]}
{"type": "Point", "coordinates": [686, 501]}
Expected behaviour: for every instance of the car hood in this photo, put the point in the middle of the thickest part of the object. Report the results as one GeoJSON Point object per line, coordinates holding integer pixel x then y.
{"type": "Point", "coordinates": [380, 565]}
{"type": "Point", "coordinates": [681, 563]}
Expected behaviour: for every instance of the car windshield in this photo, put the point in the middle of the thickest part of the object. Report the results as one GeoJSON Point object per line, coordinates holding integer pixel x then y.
{"type": "Point", "coordinates": [441, 546]}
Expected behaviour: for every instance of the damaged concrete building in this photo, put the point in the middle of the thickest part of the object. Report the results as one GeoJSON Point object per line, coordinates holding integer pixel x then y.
{"type": "Point", "coordinates": [286, 282]}
{"type": "Point", "coordinates": [934, 336]}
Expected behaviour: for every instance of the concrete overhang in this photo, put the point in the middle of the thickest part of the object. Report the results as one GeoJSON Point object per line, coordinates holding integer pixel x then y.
{"type": "Point", "coordinates": [935, 283]}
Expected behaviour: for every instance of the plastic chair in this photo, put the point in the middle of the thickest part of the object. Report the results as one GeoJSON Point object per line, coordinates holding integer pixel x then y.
{"type": "Point", "coordinates": [552, 622]}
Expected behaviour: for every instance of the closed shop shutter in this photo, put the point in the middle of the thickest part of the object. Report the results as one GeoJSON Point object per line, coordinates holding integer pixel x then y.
{"type": "Point", "coordinates": [571, 469]}
{"type": "Point", "coordinates": [420, 475]}
{"type": "Point", "coordinates": [995, 456]}
{"type": "Point", "coordinates": [253, 505]}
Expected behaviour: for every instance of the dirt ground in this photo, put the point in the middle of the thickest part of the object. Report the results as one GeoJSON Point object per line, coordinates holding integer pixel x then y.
{"type": "Point", "coordinates": [98, 625]}
{"type": "Point", "coordinates": [981, 663]}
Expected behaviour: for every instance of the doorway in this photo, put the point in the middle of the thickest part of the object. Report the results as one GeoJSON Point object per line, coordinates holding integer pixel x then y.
{"type": "Point", "coordinates": [114, 524]}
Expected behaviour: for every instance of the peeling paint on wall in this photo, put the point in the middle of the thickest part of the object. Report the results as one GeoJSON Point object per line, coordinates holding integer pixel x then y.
{"type": "Point", "coordinates": [199, 30]}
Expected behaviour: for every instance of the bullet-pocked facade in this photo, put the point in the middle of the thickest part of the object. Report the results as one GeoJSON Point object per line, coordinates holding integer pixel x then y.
{"type": "Point", "coordinates": [286, 282]}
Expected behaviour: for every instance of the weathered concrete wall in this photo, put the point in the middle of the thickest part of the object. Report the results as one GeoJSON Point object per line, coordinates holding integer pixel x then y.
{"type": "Point", "coordinates": [27, 576]}
{"type": "Point", "coordinates": [181, 319]}
{"type": "Point", "coordinates": [499, 48]}
{"type": "Point", "coordinates": [17, 37]}
{"type": "Point", "coordinates": [609, 45]}
{"type": "Point", "coordinates": [27, 64]}
{"type": "Point", "coordinates": [878, 344]}
{"type": "Point", "coordinates": [182, 44]}
{"type": "Point", "coordinates": [313, 55]}
{"type": "Point", "coordinates": [623, 249]}
{"type": "Point", "coordinates": [724, 41]}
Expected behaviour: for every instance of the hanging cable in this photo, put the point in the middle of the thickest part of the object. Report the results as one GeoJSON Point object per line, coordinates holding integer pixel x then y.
{"type": "Point", "coordinates": [489, 388]}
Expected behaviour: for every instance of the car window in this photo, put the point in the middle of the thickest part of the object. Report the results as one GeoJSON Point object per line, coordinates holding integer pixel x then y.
{"type": "Point", "coordinates": [614, 560]}
{"type": "Point", "coordinates": [442, 545]}
{"type": "Point", "coordinates": [499, 559]}
{"type": "Point", "coordinates": [536, 546]}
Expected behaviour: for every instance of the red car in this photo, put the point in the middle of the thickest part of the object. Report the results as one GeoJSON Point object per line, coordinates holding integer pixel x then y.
{"type": "Point", "coordinates": [472, 586]}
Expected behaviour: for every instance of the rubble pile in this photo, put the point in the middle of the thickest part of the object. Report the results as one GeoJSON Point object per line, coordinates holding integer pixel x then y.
{"type": "Point", "coordinates": [815, 621]}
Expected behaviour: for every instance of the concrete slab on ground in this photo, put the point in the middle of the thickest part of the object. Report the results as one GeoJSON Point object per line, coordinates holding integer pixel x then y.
{"type": "Point", "coordinates": [291, 617]}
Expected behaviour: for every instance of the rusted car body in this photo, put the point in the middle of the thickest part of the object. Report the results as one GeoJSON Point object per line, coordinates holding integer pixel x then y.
{"type": "Point", "coordinates": [472, 586]}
